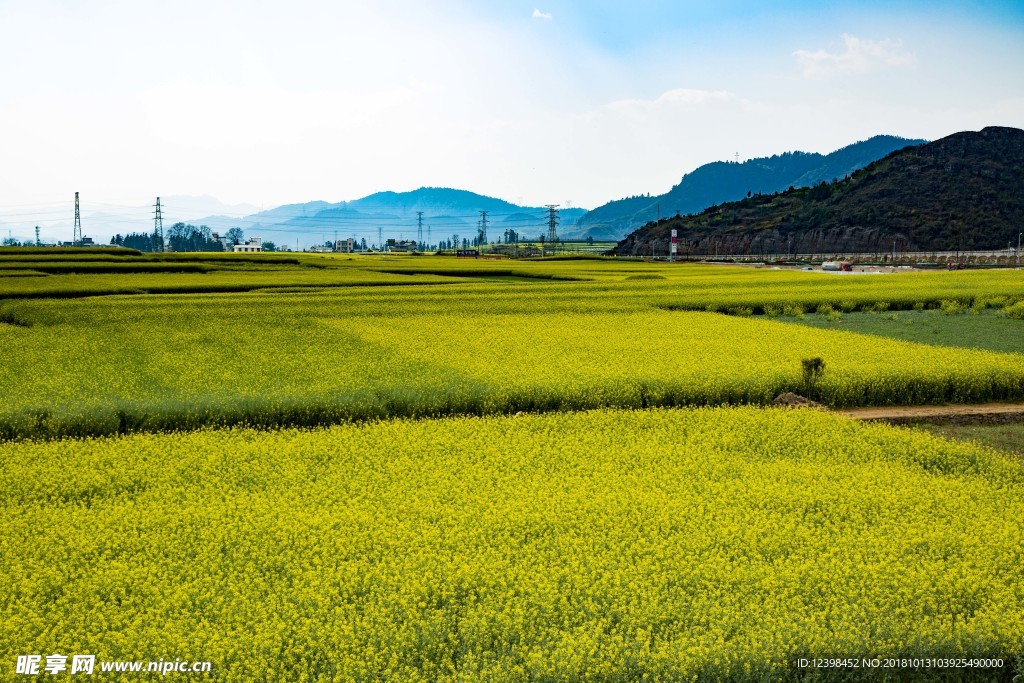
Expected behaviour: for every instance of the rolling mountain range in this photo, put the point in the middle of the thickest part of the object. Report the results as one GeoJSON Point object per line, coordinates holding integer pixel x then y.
{"type": "Point", "coordinates": [446, 212]}
{"type": "Point", "coordinates": [723, 181]}
{"type": "Point", "coordinates": [962, 192]}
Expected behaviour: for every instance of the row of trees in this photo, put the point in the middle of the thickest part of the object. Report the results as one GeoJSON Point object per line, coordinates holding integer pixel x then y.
{"type": "Point", "coordinates": [138, 240]}
{"type": "Point", "coordinates": [183, 237]}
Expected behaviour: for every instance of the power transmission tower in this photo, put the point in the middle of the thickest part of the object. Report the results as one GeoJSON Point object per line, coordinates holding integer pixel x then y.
{"type": "Point", "coordinates": [482, 237]}
{"type": "Point", "coordinates": [429, 238]}
{"type": "Point", "coordinates": [419, 230]}
{"type": "Point", "coordinates": [552, 223]}
{"type": "Point", "coordinates": [158, 223]}
{"type": "Point", "coordinates": [38, 244]}
{"type": "Point", "coordinates": [380, 238]}
{"type": "Point", "coordinates": [77, 239]}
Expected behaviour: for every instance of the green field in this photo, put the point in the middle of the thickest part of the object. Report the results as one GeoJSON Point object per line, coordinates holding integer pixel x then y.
{"type": "Point", "coordinates": [1008, 438]}
{"type": "Point", "coordinates": [419, 468]}
{"type": "Point", "coordinates": [984, 329]}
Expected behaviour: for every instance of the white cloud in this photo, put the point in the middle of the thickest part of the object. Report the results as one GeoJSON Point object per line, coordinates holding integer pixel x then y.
{"type": "Point", "coordinates": [537, 14]}
{"type": "Point", "coordinates": [861, 56]}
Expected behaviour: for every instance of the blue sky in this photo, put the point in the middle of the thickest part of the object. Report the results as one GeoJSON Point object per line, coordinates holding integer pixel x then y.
{"type": "Point", "coordinates": [540, 102]}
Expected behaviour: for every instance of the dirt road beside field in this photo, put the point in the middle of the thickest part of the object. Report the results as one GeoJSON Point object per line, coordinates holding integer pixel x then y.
{"type": "Point", "coordinates": [985, 413]}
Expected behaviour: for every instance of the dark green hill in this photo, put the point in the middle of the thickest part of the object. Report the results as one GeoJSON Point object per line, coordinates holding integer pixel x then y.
{"type": "Point", "coordinates": [963, 192]}
{"type": "Point", "coordinates": [723, 181]}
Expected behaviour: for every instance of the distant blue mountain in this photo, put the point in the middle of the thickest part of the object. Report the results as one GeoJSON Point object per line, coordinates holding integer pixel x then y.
{"type": "Point", "coordinates": [446, 212]}
{"type": "Point", "coordinates": [724, 181]}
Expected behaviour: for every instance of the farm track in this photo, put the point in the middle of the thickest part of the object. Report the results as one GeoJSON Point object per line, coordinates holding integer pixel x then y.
{"type": "Point", "coordinates": [984, 413]}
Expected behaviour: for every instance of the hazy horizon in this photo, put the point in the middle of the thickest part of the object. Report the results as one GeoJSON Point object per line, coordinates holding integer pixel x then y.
{"type": "Point", "coordinates": [273, 104]}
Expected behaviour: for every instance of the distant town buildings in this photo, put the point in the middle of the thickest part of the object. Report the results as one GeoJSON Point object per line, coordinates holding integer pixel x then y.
{"type": "Point", "coordinates": [86, 242]}
{"type": "Point", "coordinates": [225, 243]}
{"type": "Point", "coordinates": [401, 245]}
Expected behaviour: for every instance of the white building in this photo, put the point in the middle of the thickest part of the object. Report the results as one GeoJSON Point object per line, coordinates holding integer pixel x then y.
{"type": "Point", "coordinates": [251, 244]}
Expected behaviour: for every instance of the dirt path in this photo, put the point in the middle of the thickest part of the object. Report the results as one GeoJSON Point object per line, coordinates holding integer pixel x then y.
{"type": "Point", "coordinates": [984, 413]}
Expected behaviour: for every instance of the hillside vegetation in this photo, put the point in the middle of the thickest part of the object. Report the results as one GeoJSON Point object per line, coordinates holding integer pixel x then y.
{"type": "Point", "coordinates": [723, 181]}
{"type": "Point", "coordinates": [963, 192]}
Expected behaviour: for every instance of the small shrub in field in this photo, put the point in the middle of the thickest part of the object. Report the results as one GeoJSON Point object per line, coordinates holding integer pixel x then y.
{"type": "Point", "coordinates": [919, 306]}
{"type": "Point", "coordinates": [882, 306]}
{"type": "Point", "coordinates": [8, 318]}
{"type": "Point", "coordinates": [772, 310]}
{"type": "Point", "coordinates": [1015, 311]}
{"type": "Point", "coordinates": [793, 310]}
{"type": "Point", "coordinates": [848, 306]}
{"type": "Point", "coordinates": [991, 302]}
{"type": "Point", "coordinates": [813, 368]}
{"type": "Point", "coordinates": [951, 307]}
{"type": "Point", "coordinates": [742, 311]}
{"type": "Point", "coordinates": [825, 309]}
{"type": "Point", "coordinates": [646, 276]}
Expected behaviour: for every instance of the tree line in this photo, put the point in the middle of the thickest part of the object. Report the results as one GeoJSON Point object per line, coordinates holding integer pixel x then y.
{"type": "Point", "coordinates": [183, 237]}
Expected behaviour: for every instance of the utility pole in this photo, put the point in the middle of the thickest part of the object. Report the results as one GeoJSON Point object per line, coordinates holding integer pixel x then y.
{"type": "Point", "coordinates": [158, 223]}
{"type": "Point", "coordinates": [77, 238]}
{"type": "Point", "coordinates": [552, 223]}
{"type": "Point", "coordinates": [419, 230]}
{"type": "Point", "coordinates": [380, 238]}
{"type": "Point", "coordinates": [38, 244]}
{"type": "Point", "coordinates": [482, 237]}
{"type": "Point", "coordinates": [429, 238]}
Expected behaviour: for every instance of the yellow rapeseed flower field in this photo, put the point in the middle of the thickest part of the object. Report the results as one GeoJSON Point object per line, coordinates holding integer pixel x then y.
{"type": "Point", "coordinates": [117, 364]}
{"type": "Point", "coordinates": [659, 545]}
